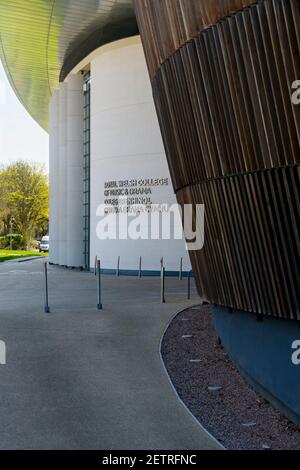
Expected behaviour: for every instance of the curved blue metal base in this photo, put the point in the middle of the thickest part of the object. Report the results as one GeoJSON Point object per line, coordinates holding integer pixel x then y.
{"type": "Point", "coordinates": [262, 351]}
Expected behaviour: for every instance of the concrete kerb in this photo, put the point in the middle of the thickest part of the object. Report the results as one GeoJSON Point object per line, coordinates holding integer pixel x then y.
{"type": "Point", "coordinates": [171, 383]}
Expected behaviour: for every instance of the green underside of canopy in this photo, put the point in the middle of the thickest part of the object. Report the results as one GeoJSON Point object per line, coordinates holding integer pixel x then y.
{"type": "Point", "coordinates": [37, 37]}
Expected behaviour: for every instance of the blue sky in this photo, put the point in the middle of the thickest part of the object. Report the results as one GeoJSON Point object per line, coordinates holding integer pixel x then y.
{"type": "Point", "coordinates": [21, 138]}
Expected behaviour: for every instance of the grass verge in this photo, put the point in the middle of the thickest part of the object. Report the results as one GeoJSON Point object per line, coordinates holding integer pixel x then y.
{"type": "Point", "coordinates": [6, 255]}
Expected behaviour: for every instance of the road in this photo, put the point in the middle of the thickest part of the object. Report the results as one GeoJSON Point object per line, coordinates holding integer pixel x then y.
{"type": "Point", "coordinates": [79, 378]}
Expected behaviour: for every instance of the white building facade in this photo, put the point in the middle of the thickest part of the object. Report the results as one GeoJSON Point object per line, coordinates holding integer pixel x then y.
{"type": "Point", "coordinates": [107, 159]}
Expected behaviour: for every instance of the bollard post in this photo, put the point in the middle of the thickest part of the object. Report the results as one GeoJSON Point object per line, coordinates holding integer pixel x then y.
{"type": "Point", "coordinates": [118, 267]}
{"type": "Point", "coordinates": [140, 268]}
{"type": "Point", "coordinates": [180, 269]}
{"type": "Point", "coordinates": [96, 264]}
{"type": "Point", "coordinates": [189, 285]}
{"type": "Point", "coordinates": [99, 305]}
{"type": "Point", "coordinates": [46, 309]}
{"type": "Point", "coordinates": [163, 275]}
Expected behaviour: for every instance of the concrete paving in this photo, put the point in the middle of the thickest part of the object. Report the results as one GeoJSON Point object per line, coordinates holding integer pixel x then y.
{"type": "Point", "coordinates": [79, 378]}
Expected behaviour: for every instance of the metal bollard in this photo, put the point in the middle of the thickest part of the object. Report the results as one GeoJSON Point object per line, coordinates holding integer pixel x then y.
{"type": "Point", "coordinates": [96, 264]}
{"type": "Point", "coordinates": [99, 305]}
{"type": "Point", "coordinates": [180, 269]}
{"type": "Point", "coordinates": [163, 275]}
{"type": "Point", "coordinates": [47, 308]}
{"type": "Point", "coordinates": [189, 285]}
{"type": "Point", "coordinates": [118, 267]}
{"type": "Point", "coordinates": [140, 268]}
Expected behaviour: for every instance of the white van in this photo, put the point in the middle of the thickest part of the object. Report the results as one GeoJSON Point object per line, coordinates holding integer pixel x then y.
{"type": "Point", "coordinates": [44, 244]}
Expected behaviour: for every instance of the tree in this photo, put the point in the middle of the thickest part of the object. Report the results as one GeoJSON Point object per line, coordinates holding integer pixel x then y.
{"type": "Point", "coordinates": [4, 210]}
{"type": "Point", "coordinates": [24, 195]}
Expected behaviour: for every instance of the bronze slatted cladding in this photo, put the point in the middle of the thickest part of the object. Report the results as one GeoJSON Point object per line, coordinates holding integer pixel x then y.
{"type": "Point", "coordinates": [232, 138]}
{"type": "Point", "coordinates": [166, 25]}
{"type": "Point", "coordinates": [250, 259]}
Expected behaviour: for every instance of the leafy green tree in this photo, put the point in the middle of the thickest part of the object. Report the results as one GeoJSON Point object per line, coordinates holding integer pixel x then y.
{"type": "Point", "coordinates": [24, 196]}
{"type": "Point", "coordinates": [4, 210]}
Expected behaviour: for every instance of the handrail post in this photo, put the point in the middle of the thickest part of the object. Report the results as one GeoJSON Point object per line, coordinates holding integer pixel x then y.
{"type": "Point", "coordinates": [47, 308]}
{"type": "Point", "coordinates": [99, 306]}
{"type": "Point", "coordinates": [180, 269]}
{"type": "Point", "coordinates": [118, 267]}
{"type": "Point", "coordinates": [140, 267]}
{"type": "Point", "coordinates": [189, 285]}
{"type": "Point", "coordinates": [163, 275]}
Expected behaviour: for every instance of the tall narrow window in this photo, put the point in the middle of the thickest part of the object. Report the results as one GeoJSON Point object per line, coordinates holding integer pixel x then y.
{"type": "Point", "coordinates": [86, 168]}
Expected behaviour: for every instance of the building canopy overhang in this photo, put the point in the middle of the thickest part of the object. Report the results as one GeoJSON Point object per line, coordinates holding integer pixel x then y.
{"type": "Point", "coordinates": [41, 41]}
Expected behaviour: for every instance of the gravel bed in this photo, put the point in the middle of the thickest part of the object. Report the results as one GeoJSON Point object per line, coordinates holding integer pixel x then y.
{"type": "Point", "coordinates": [216, 393]}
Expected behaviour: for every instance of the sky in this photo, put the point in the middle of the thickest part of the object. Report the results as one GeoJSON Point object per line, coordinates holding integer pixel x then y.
{"type": "Point", "coordinates": [21, 138]}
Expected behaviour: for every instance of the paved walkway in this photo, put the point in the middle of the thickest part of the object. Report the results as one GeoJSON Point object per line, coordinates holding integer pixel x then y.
{"type": "Point", "coordinates": [82, 379]}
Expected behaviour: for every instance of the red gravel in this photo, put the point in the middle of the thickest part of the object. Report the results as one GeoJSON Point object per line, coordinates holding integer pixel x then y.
{"type": "Point", "coordinates": [223, 412]}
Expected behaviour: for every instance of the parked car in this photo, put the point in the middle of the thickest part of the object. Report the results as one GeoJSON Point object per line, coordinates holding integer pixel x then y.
{"type": "Point", "coordinates": [44, 244]}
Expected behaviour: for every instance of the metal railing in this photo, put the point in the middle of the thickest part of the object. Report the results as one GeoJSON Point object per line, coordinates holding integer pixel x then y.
{"type": "Point", "coordinates": [98, 274]}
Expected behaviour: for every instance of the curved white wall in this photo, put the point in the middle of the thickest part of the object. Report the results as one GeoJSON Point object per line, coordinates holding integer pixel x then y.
{"type": "Point", "coordinates": [66, 173]}
{"type": "Point", "coordinates": [63, 192]}
{"type": "Point", "coordinates": [54, 177]}
{"type": "Point", "coordinates": [74, 235]}
{"type": "Point", "coordinates": [126, 143]}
